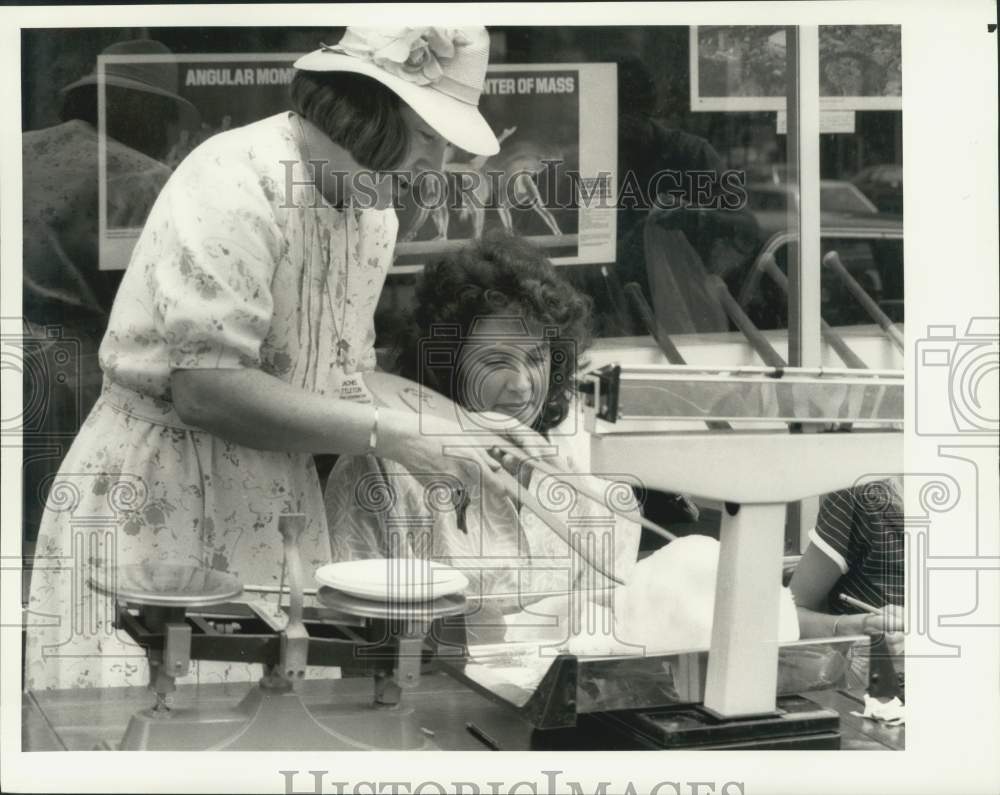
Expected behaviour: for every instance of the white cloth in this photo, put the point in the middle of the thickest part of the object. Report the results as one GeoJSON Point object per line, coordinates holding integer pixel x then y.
{"type": "Point", "coordinates": [666, 605]}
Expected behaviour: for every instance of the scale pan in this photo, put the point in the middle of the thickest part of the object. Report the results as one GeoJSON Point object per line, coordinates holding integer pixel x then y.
{"type": "Point", "coordinates": [393, 579]}
{"type": "Point", "coordinates": [167, 585]}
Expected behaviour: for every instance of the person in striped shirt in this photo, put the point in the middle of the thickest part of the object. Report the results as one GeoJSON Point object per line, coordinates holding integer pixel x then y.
{"type": "Point", "coordinates": [857, 550]}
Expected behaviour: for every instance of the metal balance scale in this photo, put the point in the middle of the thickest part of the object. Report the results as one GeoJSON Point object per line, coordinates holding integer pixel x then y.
{"type": "Point", "coordinates": [676, 428]}
{"type": "Point", "coordinates": [752, 439]}
{"type": "Point", "coordinates": [172, 612]}
{"type": "Point", "coordinates": [730, 437]}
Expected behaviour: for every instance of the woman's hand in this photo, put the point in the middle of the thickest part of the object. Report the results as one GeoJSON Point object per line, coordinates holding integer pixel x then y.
{"type": "Point", "coordinates": [890, 622]}
{"type": "Point", "coordinates": [890, 619]}
{"type": "Point", "coordinates": [428, 446]}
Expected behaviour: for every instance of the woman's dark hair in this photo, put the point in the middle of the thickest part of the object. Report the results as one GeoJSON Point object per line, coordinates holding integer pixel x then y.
{"type": "Point", "coordinates": [488, 277]}
{"type": "Point", "coordinates": [357, 112]}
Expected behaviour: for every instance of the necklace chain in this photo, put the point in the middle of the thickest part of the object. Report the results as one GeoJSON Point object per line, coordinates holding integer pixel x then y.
{"type": "Point", "coordinates": [342, 344]}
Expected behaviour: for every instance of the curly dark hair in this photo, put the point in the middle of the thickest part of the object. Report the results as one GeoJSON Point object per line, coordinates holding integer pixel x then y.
{"type": "Point", "coordinates": [488, 277]}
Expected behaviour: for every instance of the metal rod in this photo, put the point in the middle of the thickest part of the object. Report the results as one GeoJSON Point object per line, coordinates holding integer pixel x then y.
{"type": "Point", "coordinates": [291, 525]}
{"type": "Point", "coordinates": [650, 525]}
{"type": "Point", "coordinates": [803, 158]}
{"type": "Point", "coordinates": [757, 341]}
{"type": "Point", "coordinates": [832, 338]}
{"type": "Point", "coordinates": [276, 589]}
{"type": "Point", "coordinates": [832, 261]}
{"type": "Point", "coordinates": [751, 370]}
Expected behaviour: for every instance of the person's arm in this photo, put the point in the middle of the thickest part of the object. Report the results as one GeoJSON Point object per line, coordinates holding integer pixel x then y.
{"type": "Point", "coordinates": [826, 559]}
{"type": "Point", "coordinates": [814, 579]}
{"type": "Point", "coordinates": [250, 407]}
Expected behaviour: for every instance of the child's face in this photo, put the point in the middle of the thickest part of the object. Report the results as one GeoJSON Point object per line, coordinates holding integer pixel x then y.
{"type": "Point", "coordinates": [503, 367]}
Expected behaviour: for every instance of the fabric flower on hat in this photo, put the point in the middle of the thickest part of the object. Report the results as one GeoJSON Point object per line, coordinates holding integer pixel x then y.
{"type": "Point", "coordinates": [414, 54]}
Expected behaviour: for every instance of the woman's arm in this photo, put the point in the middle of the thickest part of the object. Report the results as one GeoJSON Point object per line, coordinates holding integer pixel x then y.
{"type": "Point", "coordinates": [252, 408]}
{"type": "Point", "coordinates": [814, 578]}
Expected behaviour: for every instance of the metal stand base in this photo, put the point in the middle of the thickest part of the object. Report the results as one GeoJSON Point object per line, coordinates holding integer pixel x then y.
{"type": "Point", "coordinates": [798, 724]}
{"type": "Point", "coordinates": [269, 719]}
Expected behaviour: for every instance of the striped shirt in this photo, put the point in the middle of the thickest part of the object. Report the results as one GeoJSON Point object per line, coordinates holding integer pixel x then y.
{"type": "Point", "coordinates": [861, 530]}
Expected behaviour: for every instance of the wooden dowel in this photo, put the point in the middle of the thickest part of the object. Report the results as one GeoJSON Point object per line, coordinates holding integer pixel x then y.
{"type": "Point", "coordinates": [617, 299]}
{"type": "Point", "coordinates": [645, 312]}
{"type": "Point", "coordinates": [833, 339]}
{"type": "Point", "coordinates": [757, 341]}
{"type": "Point", "coordinates": [832, 261]}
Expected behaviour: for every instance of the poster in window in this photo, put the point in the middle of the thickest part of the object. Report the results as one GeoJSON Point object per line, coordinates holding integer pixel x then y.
{"type": "Point", "coordinates": [742, 67]}
{"type": "Point", "coordinates": [552, 181]}
{"type": "Point", "coordinates": [228, 90]}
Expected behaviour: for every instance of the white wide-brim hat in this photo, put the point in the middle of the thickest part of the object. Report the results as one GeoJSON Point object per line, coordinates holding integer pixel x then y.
{"type": "Point", "coordinates": [439, 72]}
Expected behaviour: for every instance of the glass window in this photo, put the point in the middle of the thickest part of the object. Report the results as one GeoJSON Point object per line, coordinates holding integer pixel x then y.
{"type": "Point", "coordinates": [874, 262]}
{"type": "Point", "coordinates": [704, 197]}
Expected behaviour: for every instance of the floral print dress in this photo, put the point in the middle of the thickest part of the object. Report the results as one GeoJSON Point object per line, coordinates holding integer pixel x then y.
{"type": "Point", "coordinates": [240, 265]}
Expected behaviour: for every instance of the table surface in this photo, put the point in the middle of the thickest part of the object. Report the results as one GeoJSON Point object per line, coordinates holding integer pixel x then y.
{"type": "Point", "coordinates": [81, 720]}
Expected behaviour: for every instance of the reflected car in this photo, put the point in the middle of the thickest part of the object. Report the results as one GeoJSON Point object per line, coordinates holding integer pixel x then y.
{"type": "Point", "coordinates": [883, 184]}
{"type": "Point", "coordinates": [770, 202]}
{"type": "Point", "coordinates": [870, 247]}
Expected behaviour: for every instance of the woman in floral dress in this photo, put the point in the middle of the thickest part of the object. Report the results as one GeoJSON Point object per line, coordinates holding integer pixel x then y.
{"type": "Point", "coordinates": [249, 297]}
